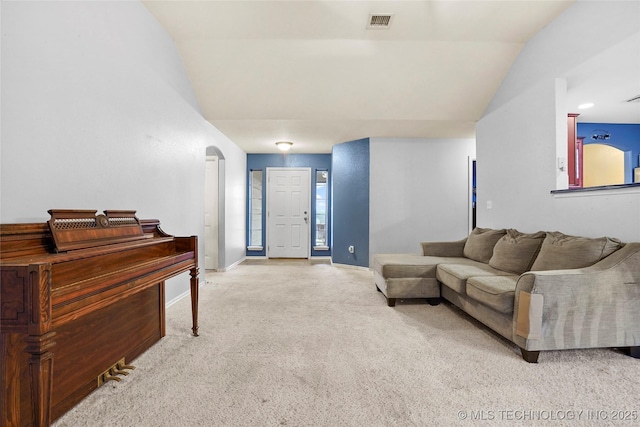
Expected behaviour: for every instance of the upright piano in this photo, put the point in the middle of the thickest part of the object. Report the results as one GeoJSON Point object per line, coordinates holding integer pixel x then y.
{"type": "Point", "coordinates": [81, 296]}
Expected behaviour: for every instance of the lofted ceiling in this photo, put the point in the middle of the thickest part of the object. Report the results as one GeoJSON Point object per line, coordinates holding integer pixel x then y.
{"type": "Point", "coordinates": [611, 81]}
{"type": "Point", "coordinates": [311, 72]}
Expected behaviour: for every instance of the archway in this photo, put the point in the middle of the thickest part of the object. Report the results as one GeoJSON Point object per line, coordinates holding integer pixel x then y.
{"type": "Point", "coordinates": [214, 218]}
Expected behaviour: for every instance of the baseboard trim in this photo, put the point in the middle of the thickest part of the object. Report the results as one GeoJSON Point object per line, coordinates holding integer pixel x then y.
{"type": "Point", "coordinates": [168, 304]}
{"type": "Point", "coordinates": [235, 264]}
{"type": "Point", "coordinates": [353, 267]}
{"type": "Point", "coordinates": [314, 260]}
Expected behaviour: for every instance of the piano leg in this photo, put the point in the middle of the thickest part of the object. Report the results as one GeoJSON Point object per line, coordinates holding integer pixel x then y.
{"type": "Point", "coordinates": [194, 299]}
{"type": "Point", "coordinates": [41, 372]}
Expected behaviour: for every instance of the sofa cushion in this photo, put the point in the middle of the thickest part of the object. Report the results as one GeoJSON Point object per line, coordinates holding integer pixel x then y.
{"type": "Point", "coordinates": [560, 251]}
{"type": "Point", "coordinates": [515, 251]}
{"type": "Point", "coordinates": [480, 243]}
{"type": "Point", "coordinates": [409, 265]}
{"type": "Point", "coordinates": [497, 292]}
{"type": "Point", "coordinates": [455, 275]}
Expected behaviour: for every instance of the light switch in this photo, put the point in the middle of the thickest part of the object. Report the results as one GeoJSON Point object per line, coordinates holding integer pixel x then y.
{"type": "Point", "coordinates": [489, 204]}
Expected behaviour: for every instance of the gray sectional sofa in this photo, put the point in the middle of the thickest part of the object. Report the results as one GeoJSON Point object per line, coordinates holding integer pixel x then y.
{"type": "Point", "coordinates": [542, 291]}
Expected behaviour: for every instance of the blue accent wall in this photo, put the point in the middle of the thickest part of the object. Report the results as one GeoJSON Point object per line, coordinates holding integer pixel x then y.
{"type": "Point", "coordinates": [350, 202]}
{"type": "Point", "coordinates": [625, 137]}
{"type": "Point", "coordinates": [262, 162]}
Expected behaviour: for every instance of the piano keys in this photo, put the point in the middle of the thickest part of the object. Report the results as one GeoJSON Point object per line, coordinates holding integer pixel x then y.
{"type": "Point", "coordinates": [81, 296]}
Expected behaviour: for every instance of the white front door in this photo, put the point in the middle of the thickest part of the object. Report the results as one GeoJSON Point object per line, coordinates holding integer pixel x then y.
{"type": "Point", "coordinates": [288, 212]}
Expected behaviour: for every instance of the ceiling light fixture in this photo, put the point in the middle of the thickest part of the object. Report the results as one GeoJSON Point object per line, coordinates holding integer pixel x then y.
{"type": "Point", "coordinates": [600, 134]}
{"type": "Point", "coordinates": [284, 145]}
{"type": "Point", "coordinates": [585, 105]}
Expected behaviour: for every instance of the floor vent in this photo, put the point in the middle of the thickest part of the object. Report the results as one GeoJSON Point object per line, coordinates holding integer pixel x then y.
{"type": "Point", "coordinates": [380, 21]}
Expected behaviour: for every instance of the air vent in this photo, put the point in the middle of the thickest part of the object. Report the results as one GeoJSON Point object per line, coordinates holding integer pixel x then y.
{"type": "Point", "coordinates": [634, 99]}
{"type": "Point", "coordinates": [380, 21]}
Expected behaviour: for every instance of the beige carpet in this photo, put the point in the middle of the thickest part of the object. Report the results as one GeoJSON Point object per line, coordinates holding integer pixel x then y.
{"type": "Point", "coordinates": [289, 343]}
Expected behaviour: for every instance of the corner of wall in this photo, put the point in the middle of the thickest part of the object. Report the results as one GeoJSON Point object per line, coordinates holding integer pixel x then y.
{"type": "Point", "coordinates": [350, 202]}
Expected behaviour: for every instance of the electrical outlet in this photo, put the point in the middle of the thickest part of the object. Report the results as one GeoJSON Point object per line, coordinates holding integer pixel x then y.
{"type": "Point", "coordinates": [352, 249]}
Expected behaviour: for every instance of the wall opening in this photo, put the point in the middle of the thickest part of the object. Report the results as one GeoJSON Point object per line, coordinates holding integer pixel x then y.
{"type": "Point", "coordinates": [214, 212]}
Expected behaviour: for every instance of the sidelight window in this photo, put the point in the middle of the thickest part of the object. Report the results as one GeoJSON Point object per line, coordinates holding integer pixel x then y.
{"type": "Point", "coordinates": [322, 178]}
{"type": "Point", "coordinates": [255, 209]}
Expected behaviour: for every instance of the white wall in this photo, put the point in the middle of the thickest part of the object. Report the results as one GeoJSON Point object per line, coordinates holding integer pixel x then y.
{"type": "Point", "coordinates": [98, 113]}
{"type": "Point", "coordinates": [516, 161]}
{"type": "Point", "coordinates": [583, 30]}
{"type": "Point", "coordinates": [524, 131]}
{"type": "Point", "coordinates": [419, 191]}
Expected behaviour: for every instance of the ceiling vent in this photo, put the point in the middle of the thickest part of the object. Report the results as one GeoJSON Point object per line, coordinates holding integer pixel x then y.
{"type": "Point", "coordinates": [380, 21]}
{"type": "Point", "coordinates": [634, 99]}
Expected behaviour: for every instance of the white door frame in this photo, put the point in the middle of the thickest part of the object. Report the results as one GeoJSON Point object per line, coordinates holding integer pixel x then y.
{"type": "Point", "coordinates": [470, 193]}
{"type": "Point", "coordinates": [211, 220]}
{"type": "Point", "coordinates": [308, 201]}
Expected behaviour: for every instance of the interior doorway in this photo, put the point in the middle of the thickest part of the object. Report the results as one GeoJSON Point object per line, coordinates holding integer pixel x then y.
{"type": "Point", "coordinates": [288, 212]}
{"type": "Point", "coordinates": [214, 221]}
{"type": "Point", "coordinates": [211, 214]}
{"type": "Point", "coordinates": [472, 194]}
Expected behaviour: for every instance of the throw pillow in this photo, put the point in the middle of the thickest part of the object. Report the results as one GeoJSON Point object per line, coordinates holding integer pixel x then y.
{"type": "Point", "coordinates": [480, 243]}
{"type": "Point", "coordinates": [515, 251]}
{"type": "Point", "coordinates": [560, 251]}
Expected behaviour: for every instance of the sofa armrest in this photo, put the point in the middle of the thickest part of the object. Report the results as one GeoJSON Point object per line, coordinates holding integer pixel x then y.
{"type": "Point", "coordinates": [444, 249]}
{"type": "Point", "coordinates": [589, 307]}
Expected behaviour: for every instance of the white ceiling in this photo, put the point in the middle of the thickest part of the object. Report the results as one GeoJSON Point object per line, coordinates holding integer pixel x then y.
{"type": "Point", "coordinates": [312, 73]}
{"type": "Point", "coordinates": [608, 80]}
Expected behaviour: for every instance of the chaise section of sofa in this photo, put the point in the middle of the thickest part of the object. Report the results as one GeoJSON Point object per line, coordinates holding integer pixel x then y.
{"type": "Point", "coordinates": [412, 275]}
{"type": "Point", "coordinates": [542, 291]}
{"type": "Point", "coordinates": [407, 276]}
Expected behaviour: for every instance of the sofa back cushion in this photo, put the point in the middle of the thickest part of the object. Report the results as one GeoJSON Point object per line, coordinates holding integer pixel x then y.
{"type": "Point", "coordinates": [560, 251]}
{"type": "Point", "coordinates": [480, 243]}
{"type": "Point", "coordinates": [515, 251]}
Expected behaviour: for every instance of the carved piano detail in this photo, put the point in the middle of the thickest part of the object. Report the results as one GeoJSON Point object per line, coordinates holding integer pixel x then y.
{"type": "Point", "coordinates": [79, 296]}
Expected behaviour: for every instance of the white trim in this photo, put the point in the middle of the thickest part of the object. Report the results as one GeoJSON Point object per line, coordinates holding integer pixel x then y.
{"type": "Point", "coordinates": [321, 258]}
{"type": "Point", "coordinates": [352, 267]}
{"type": "Point", "coordinates": [321, 248]}
{"type": "Point", "coordinates": [212, 215]}
{"type": "Point", "coordinates": [235, 264]}
{"type": "Point", "coordinates": [168, 304]}
{"type": "Point", "coordinates": [255, 248]}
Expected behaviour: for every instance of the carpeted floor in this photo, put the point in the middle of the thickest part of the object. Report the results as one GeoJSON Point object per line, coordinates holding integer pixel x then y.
{"type": "Point", "coordinates": [291, 343]}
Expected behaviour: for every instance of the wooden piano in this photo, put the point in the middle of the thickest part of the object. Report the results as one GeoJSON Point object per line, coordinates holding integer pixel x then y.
{"type": "Point", "coordinates": [80, 297]}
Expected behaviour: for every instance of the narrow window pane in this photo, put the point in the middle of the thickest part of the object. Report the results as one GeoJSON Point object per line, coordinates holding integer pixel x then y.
{"type": "Point", "coordinates": [255, 201]}
{"type": "Point", "coordinates": [321, 208]}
